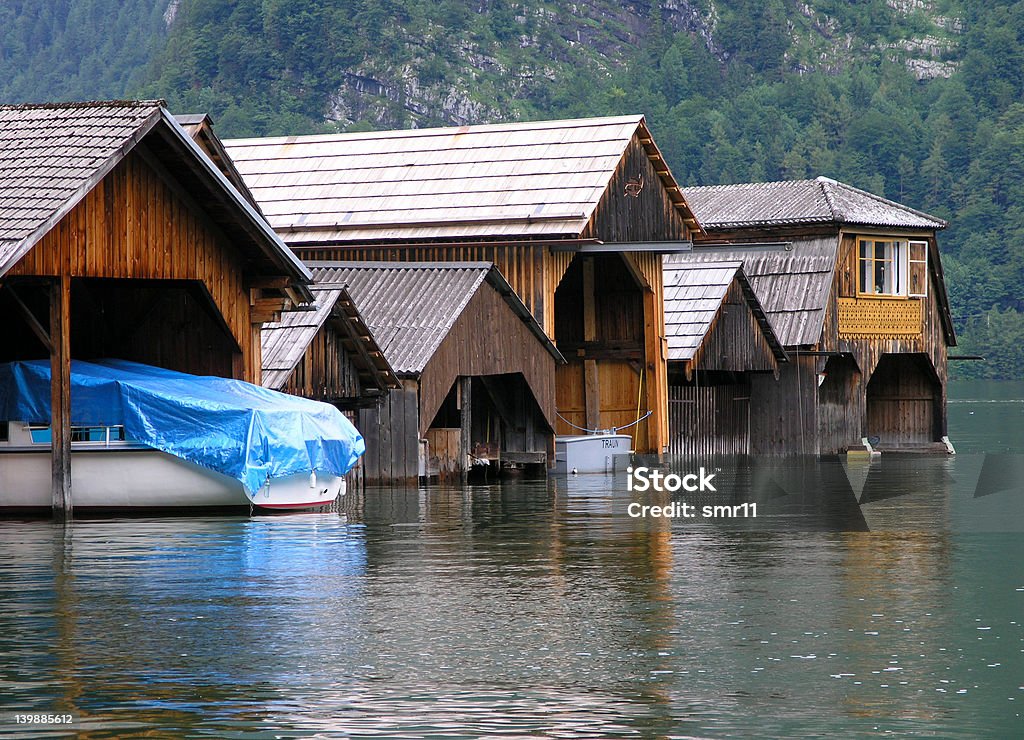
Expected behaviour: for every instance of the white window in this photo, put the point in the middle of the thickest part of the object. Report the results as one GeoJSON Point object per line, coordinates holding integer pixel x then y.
{"type": "Point", "coordinates": [881, 267]}
{"type": "Point", "coordinates": [889, 267]}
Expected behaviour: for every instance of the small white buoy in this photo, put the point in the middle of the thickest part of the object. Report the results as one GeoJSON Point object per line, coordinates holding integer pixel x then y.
{"type": "Point", "coordinates": [312, 479]}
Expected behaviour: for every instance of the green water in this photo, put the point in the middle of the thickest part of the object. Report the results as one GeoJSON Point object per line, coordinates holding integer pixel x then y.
{"type": "Point", "coordinates": [874, 600]}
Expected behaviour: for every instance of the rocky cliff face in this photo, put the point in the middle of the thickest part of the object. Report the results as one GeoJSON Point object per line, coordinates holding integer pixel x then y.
{"type": "Point", "coordinates": [484, 72]}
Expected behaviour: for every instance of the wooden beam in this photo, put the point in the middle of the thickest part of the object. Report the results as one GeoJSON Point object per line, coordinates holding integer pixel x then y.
{"type": "Point", "coordinates": [60, 396]}
{"type": "Point", "coordinates": [31, 320]}
{"type": "Point", "coordinates": [589, 308]}
{"type": "Point", "coordinates": [592, 394]}
{"type": "Point", "coordinates": [466, 423]}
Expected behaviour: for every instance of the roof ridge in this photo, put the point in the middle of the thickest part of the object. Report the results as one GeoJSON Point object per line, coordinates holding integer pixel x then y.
{"type": "Point", "coordinates": [378, 264]}
{"type": "Point", "coordinates": [156, 103]}
{"type": "Point", "coordinates": [823, 183]}
{"type": "Point", "coordinates": [829, 182]}
{"type": "Point", "coordinates": [550, 123]}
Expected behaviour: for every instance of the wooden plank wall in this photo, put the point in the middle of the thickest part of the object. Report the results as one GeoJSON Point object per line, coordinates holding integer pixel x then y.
{"type": "Point", "coordinates": [784, 412]}
{"type": "Point", "coordinates": [735, 342]}
{"type": "Point", "coordinates": [391, 433]}
{"type": "Point", "coordinates": [901, 402]}
{"type": "Point", "coordinates": [133, 225]}
{"type": "Point", "coordinates": [488, 339]}
{"type": "Point", "coordinates": [650, 216]}
{"type": "Point", "coordinates": [444, 444]}
{"type": "Point", "coordinates": [709, 420]}
{"type": "Point", "coordinates": [841, 405]}
{"type": "Point", "coordinates": [326, 371]}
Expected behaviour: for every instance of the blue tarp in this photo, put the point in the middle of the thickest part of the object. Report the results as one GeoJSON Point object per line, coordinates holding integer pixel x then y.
{"type": "Point", "coordinates": [241, 430]}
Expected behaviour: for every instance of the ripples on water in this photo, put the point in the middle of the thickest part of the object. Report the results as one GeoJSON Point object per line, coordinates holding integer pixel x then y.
{"type": "Point", "coordinates": [531, 609]}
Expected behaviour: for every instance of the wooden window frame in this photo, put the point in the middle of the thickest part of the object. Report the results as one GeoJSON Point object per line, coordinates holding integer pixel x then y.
{"type": "Point", "coordinates": [910, 266]}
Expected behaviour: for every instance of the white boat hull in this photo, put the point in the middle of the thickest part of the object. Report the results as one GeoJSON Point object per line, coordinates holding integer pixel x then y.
{"type": "Point", "coordinates": [134, 477]}
{"type": "Point", "coordinates": [590, 453]}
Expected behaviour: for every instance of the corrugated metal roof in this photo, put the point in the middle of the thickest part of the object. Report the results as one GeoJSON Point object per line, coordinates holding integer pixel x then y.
{"type": "Point", "coordinates": [284, 342]}
{"type": "Point", "coordinates": [694, 292]}
{"type": "Point", "coordinates": [411, 306]}
{"type": "Point", "coordinates": [794, 202]}
{"type": "Point", "coordinates": [520, 179]}
{"type": "Point", "coordinates": [52, 155]}
{"type": "Point", "coordinates": [792, 285]}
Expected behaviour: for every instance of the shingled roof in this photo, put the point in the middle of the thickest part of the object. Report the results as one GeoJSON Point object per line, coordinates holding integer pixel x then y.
{"type": "Point", "coordinates": [796, 202]}
{"type": "Point", "coordinates": [411, 306]}
{"type": "Point", "coordinates": [792, 282]}
{"type": "Point", "coordinates": [52, 155]}
{"type": "Point", "coordinates": [694, 292]}
{"type": "Point", "coordinates": [285, 342]}
{"type": "Point", "coordinates": [504, 180]}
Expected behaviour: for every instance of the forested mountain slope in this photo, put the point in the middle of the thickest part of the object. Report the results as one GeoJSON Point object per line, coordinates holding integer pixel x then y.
{"type": "Point", "coordinates": [919, 100]}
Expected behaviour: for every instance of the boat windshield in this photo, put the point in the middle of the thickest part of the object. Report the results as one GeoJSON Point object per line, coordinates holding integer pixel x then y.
{"type": "Point", "coordinates": [97, 435]}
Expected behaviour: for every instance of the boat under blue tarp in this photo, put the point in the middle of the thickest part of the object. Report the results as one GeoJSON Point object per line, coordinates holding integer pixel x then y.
{"type": "Point", "coordinates": [236, 428]}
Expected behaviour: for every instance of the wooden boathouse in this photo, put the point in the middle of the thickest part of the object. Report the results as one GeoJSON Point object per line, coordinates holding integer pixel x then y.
{"type": "Point", "coordinates": [719, 337]}
{"type": "Point", "coordinates": [853, 286]}
{"type": "Point", "coordinates": [120, 238]}
{"type": "Point", "coordinates": [477, 372]}
{"type": "Point", "coordinates": [327, 353]}
{"type": "Point", "coordinates": [575, 214]}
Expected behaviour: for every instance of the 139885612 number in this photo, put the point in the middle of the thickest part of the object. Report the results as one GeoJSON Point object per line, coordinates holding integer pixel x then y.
{"type": "Point", "coordinates": [43, 719]}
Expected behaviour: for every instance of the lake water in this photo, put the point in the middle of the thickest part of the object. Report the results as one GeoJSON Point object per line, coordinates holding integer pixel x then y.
{"type": "Point", "coordinates": [863, 600]}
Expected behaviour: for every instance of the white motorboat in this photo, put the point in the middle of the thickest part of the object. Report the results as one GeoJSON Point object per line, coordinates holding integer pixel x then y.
{"type": "Point", "coordinates": [148, 438]}
{"type": "Point", "coordinates": [591, 453]}
{"type": "Point", "coordinates": [109, 472]}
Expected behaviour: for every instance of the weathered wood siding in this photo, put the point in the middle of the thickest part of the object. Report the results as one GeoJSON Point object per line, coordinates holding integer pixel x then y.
{"type": "Point", "coordinates": [134, 225]}
{"type": "Point", "coordinates": [649, 216]}
{"type": "Point", "coordinates": [840, 404]}
{"type": "Point", "coordinates": [735, 341]}
{"type": "Point", "coordinates": [902, 399]}
{"type": "Point", "coordinates": [784, 412]}
{"type": "Point", "coordinates": [487, 339]}
{"type": "Point", "coordinates": [709, 420]}
{"type": "Point", "coordinates": [326, 371]}
{"type": "Point", "coordinates": [391, 433]}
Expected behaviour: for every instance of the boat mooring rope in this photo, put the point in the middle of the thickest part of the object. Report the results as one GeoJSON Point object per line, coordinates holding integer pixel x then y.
{"type": "Point", "coordinates": [613, 430]}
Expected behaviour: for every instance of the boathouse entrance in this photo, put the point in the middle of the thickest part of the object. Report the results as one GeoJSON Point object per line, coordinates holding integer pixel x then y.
{"type": "Point", "coordinates": [493, 422]}
{"type": "Point", "coordinates": [599, 329]}
{"type": "Point", "coordinates": [903, 400]}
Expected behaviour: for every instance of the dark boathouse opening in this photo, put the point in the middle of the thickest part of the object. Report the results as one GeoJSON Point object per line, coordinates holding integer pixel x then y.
{"type": "Point", "coordinates": [496, 420]}
{"type": "Point", "coordinates": [903, 401]}
{"type": "Point", "coordinates": [169, 323]}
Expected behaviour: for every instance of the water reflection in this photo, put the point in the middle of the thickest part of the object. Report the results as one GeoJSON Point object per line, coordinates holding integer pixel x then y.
{"type": "Point", "coordinates": [865, 598]}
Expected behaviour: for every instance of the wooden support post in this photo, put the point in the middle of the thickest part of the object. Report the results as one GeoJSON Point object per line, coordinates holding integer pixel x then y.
{"type": "Point", "coordinates": [589, 307]}
{"type": "Point", "coordinates": [466, 423]}
{"type": "Point", "coordinates": [60, 395]}
{"type": "Point", "coordinates": [656, 376]}
{"type": "Point", "coordinates": [591, 394]}
{"type": "Point", "coordinates": [591, 384]}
